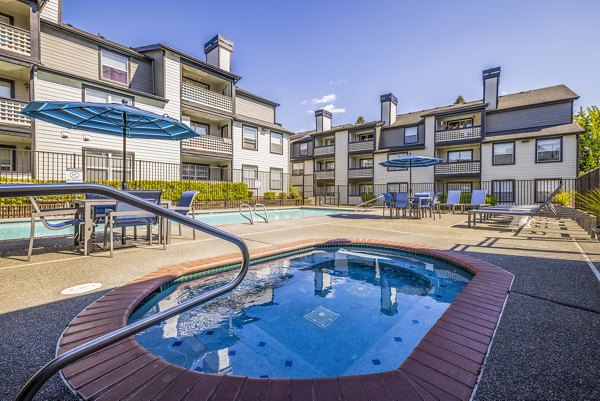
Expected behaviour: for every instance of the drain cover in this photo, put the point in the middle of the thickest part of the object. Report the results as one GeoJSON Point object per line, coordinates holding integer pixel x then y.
{"type": "Point", "coordinates": [360, 290]}
{"type": "Point", "coordinates": [81, 288]}
{"type": "Point", "coordinates": [322, 317]}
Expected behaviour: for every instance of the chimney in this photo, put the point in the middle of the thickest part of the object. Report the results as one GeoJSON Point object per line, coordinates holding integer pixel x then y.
{"type": "Point", "coordinates": [388, 109]}
{"type": "Point", "coordinates": [218, 52]}
{"type": "Point", "coordinates": [323, 120]}
{"type": "Point", "coordinates": [491, 81]}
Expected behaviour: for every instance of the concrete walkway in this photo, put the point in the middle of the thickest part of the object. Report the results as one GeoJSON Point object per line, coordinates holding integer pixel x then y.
{"type": "Point", "coordinates": [545, 346]}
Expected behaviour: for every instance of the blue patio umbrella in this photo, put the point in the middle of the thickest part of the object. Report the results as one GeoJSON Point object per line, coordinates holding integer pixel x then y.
{"type": "Point", "coordinates": [409, 161]}
{"type": "Point", "coordinates": [112, 119]}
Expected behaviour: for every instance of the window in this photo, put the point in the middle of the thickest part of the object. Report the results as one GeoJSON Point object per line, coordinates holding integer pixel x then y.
{"type": "Point", "coordinates": [276, 143]}
{"type": "Point", "coordinates": [460, 186]}
{"type": "Point", "coordinates": [197, 84]}
{"type": "Point", "coordinates": [543, 188]}
{"type": "Point", "coordinates": [503, 153]}
{"type": "Point", "coordinates": [6, 19]}
{"type": "Point", "coordinates": [99, 96]}
{"type": "Point", "coordinates": [249, 137]}
{"type": "Point", "coordinates": [458, 124]}
{"type": "Point", "coordinates": [365, 163]}
{"type": "Point", "coordinates": [114, 67]}
{"type": "Point", "coordinates": [397, 187]}
{"type": "Point", "coordinates": [548, 150]}
{"type": "Point", "coordinates": [200, 128]}
{"type": "Point", "coordinates": [360, 189]}
{"type": "Point", "coordinates": [460, 156]}
{"type": "Point", "coordinates": [504, 190]}
{"type": "Point", "coordinates": [225, 131]}
{"type": "Point", "coordinates": [329, 141]}
{"type": "Point", "coordinates": [411, 134]}
{"type": "Point", "coordinates": [195, 172]}
{"type": "Point", "coordinates": [5, 38]}
{"type": "Point", "coordinates": [105, 165]}
{"type": "Point", "coordinates": [298, 168]}
{"type": "Point", "coordinates": [325, 166]}
{"type": "Point", "coordinates": [303, 149]}
{"type": "Point", "coordinates": [7, 88]}
{"type": "Point", "coordinates": [392, 156]}
{"type": "Point", "coordinates": [276, 178]}
{"type": "Point", "coordinates": [250, 175]}
{"type": "Point", "coordinates": [7, 158]}
{"type": "Point", "coordinates": [364, 137]}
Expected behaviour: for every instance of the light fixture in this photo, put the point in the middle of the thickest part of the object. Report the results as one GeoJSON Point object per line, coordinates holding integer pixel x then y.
{"type": "Point", "coordinates": [64, 135]}
{"type": "Point", "coordinates": [87, 138]}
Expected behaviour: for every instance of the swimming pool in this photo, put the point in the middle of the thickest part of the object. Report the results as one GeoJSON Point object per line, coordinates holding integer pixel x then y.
{"type": "Point", "coordinates": [20, 229]}
{"type": "Point", "coordinates": [326, 313]}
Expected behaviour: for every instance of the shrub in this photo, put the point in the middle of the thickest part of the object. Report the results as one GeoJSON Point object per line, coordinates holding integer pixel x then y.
{"type": "Point", "coordinates": [367, 196]}
{"type": "Point", "coordinates": [465, 197]}
{"type": "Point", "coordinates": [282, 195]}
{"type": "Point", "coordinates": [589, 202]}
{"type": "Point", "coordinates": [293, 192]}
{"type": "Point", "coordinates": [564, 198]}
{"type": "Point", "coordinates": [269, 196]}
{"type": "Point", "coordinates": [250, 195]}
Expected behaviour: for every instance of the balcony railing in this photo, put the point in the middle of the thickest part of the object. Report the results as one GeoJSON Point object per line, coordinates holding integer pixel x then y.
{"type": "Point", "coordinates": [324, 150]}
{"type": "Point", "coordinates": [460, 134]}
{"type": "Point", "coordinates": [325, 175]}
{"type": "Point", "coordinates": [10, 112]}
{"type": "Point", "coordinates": [15, 39]}
{"type": "Point", "coordinates": [458, 168]}
{"type": "Point", "coordinates": [206, 97]}
{"type": "Point", "coordinates": [209, 143]}
{"type": "Point", "coordinates": [365, 172]}
{"type": "Point", "coordinates": [362, 145]}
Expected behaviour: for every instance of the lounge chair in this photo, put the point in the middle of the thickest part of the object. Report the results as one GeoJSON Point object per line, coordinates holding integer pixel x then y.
{"type": "Point", "coordinates": [73, 221]}
{"type": "Point", "coordinates": [452, 201]}
{"type": "Point", "coordinates": [387, 203]}
{"type": "Point", "coordinates": [431, 204]}
{"type": "Point", "coordinates": [516, 210]}
{"type": "Point", "coordinates": [401, 201]}
{"type": "Point", "coordinates": [185, 206]}
{"type": "Point", "coordinates": [478, 201]}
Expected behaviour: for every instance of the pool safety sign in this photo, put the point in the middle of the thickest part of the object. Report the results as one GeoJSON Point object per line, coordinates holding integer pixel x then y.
{"type": "Point", "coordinates": [73, 175]}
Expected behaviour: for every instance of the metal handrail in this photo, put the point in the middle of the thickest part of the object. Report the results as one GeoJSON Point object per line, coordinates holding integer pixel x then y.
{"type": "Point", "coordinates": [32, 386]}
{"type": "Point", "coordinates": [245, 205]}
{"type": "Point", "coordinates": [266, 216]}
{"type": "Point", "coordinates": [357, 207]}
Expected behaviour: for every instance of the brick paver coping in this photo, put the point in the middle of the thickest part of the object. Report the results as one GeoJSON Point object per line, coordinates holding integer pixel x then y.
{"type": "Point", "coordinates": [444, 365]}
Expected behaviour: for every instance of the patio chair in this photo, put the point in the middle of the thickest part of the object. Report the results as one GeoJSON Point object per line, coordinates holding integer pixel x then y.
{"type": "Point", "coordinates": [516, 210]}
{"type": "Point", "coordinates": [185, 206]}
{"type": "Point", "coordinates": [100, 211]}
{"type": "Point", "coordinates": [421, 201]}
{"type": "Point", "coordinates": [126, 215]}
{"type": "Point", "coordinates": [452, 200]}
{"type": "Point", "coordinates": [401, 201]}
{"type": "Point", "coordinates": [387, 203]}
{"type": "Point", "coordinates": [478, 197]}
{"type": "Point", "coordinates": [75, 220]}
{"type": "Point", "coordinates": [431, 204]}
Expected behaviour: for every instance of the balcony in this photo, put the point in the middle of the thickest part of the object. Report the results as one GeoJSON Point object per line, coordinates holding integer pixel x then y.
{"type": "Point", "coordinates": [325, 174]}
{"type": "Point", "coordinates": [10, 111]}
{"type": "Point", "coordinates": [365, 172]}
{"type": "Point", "coordinates": [324, 150]}
{"type": "Point", "coordinates": [16, 40]}
{"type": "Point", "coordinates": [460, 134]}
{"type": "Point", "coordinates": [458, 168]}
{"type": "Point", "coordinates": [360, 146]}
{"type": "Point", "coordinates": [207, 143]}
{"type": "Point", "coordinates": [205, 97]}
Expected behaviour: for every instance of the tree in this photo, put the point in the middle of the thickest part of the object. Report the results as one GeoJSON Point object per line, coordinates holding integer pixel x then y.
{"type": "Point", "coordinates": [459, 100]}
{"type": "Point", "coordinates": [360, 120]}
{"type": "Point", "coordinates": [589, 141]}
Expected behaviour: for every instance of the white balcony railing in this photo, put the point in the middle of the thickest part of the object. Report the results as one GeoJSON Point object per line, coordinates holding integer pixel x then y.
{"type": "Point", "coordinates": [366, 172]}
{"type": "Point", "coordinates": [324, 150]}
{"type": "Point", "coordinates": [325, 175]}
{"type": "Point", "coordinates": [196, 94]}
{"type": "Point", "coordinates": [458, 168]}
{"type": "Point", "coordinates": [15, 39]}
{"type": "Point", "coordinates": [10, 112]}
{"type": "Point", "coordinates": [362, 145]}
{"type": "Point", "coordinates": [209, 143]}
{"type": "Point", "coordinates": [460, 134]}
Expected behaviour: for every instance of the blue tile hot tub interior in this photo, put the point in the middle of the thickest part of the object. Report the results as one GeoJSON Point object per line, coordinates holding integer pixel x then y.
{"type": "Point", "coordinates": [328, 312]}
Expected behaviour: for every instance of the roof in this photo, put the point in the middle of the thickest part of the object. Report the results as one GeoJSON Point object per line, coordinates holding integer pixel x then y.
{"type": "Point", "coordinates": [245, 93]}
{"type": "Point", "coordinates": [192, 59]}
{"type": "Point", "coordinates": [564, 129]}
{"type": "Point", "coordinates": [337, 128]}
{"type": "Point", "coordinates": [266, 124]}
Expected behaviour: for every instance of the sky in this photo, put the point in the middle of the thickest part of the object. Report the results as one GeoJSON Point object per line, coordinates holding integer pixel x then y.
{"type": "Point", "coordinates": [342, 55]}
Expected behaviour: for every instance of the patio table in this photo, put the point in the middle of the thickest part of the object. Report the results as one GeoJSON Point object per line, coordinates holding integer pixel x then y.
{"type": "Point", "coordinates": [88, 221]}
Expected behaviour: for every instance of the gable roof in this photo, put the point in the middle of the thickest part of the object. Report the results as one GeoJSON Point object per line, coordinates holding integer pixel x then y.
{"type": "Point", "coordinates": [539, 132]}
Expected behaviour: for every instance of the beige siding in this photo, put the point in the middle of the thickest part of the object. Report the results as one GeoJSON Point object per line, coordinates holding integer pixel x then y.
{"type": "Point", "coordinates": [225, 63]}
{"type": "Point", "coordinates": [525, 167]}
{"type": "Point", "coordinates": [253, 109]}
{"type": "Point", "coordinates": [51, 11]}
{"type": "Point", "coordinates": [141, 75]}
{"type": "Point", "coordinates": [159, 71]}
{"type": "Point", "coordinates": [172, 68]}
{"type": "Point", "coordinates": [212, 57]}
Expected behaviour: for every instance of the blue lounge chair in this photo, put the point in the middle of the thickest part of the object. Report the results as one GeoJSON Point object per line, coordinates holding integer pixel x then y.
{"type": "Point", "coordinates": [185, 206]}
{"type": "Point", "coordinates": [387, 203]}
{"type": "Point", "coordinates": [73, 221]}
{"type": "Point", "coordinates": [401, 201]}
{"type": "Point", "coordinates": [478, 197]}
{"type": "Point", "coordinates": [431, 204]}
{"type": "Point", "coordinates": [452, 201]}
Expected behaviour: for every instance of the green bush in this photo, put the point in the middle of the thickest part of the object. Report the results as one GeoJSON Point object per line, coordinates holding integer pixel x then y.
{"type": "Point", "coordinates": [367, 196]}
{"type": "Point", "coordinates": [282, 195]}
{"type": "Point", "coordinates": [172, 190]}
{"type": "Point", "coordinates": [294, 193]}
{"type": "Point", "coordinates": [269, 196]}
{"type": "Point", "coordinates": [465, 197]}
{"type": "Point", "coordinates": [564, 198]}
{"type": "Point", "coordinates": [589, 202]}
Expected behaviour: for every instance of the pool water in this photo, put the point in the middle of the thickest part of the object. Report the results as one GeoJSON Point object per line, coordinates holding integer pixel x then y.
{"type": "Point", "coordinates": [331, 312]}
{"type": "Point", "coordinates": [20, 229]}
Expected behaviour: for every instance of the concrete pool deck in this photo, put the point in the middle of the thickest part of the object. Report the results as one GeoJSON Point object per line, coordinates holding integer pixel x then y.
{"type": "Point", "coordinates": [545, 346]}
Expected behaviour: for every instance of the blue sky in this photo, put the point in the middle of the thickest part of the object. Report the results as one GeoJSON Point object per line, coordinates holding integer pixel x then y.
{"type": "Point", "coordinates": [344, 54]}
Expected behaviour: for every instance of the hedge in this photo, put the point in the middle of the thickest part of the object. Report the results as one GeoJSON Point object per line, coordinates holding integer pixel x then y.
{"type": "Point", "coordinates": [172, 190]}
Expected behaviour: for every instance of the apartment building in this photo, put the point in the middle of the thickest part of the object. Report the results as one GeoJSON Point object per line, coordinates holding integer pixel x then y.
{"type": "Point", "coordinates": [42, 58]}
{"type": "Point", "coordinates": [497, 142]}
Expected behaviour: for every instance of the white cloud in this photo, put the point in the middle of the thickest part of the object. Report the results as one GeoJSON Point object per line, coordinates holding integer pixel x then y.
{"type": "Point", "coordinates": [320, 100]}
{"type": "Point", "coordinates": [341, 81]}
{"type": "Point", "coordinates": [332, 109]}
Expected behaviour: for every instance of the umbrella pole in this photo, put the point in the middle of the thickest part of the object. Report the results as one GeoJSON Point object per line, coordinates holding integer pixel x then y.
{"type": "Point", "coordinates": [410, 178]}
{"type": "Point", "coordinates": [124, 180]}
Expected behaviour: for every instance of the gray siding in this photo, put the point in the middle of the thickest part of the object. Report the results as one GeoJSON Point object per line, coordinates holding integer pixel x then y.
{"type": "Point", "coordinates": [295, 150]}
{"type": "Point", "coordinates": [553, 114]}
{"type": "Point", "coordinates": [159, 71]}
{"type": "Point", "coordinates": [394, 137]}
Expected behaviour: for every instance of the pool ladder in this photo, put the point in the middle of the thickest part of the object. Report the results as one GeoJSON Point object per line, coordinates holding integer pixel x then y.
{"type": "Point", "coordinates": [248, 212]}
